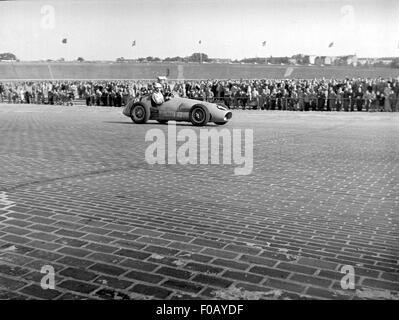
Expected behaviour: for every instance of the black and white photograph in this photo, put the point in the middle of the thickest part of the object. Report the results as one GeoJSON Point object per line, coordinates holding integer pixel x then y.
{"type": "Point", "coordinates": [199, 155]}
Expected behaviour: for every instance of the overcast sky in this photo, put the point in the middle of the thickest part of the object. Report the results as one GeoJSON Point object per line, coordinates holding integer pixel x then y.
{"type": "Point", "coordinates": [101, 29]}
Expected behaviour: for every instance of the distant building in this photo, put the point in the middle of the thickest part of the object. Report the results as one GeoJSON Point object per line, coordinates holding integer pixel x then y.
{"type": "Point", "coordinates": [319, 61]}
{"type": "Point", "coordinates": [219, 60]}
{"type": "Point", "coordinates": [310, 59]}
{"type": "Point", "coordinates": [325, 60]}
{"type": "Point", "coordinates": [330, 60]}
{"type": "Point", "coordinates": [384, 61]}
{"type": "Point", "coordinates": [349, 60]}
{"type": "Point", "coordinates": [300, 58]}
{"type": "Point", "coordinates": [365, 61]}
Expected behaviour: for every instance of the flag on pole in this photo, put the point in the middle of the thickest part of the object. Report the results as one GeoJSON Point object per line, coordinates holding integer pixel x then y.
{"type": "Point", "coordinates": [64, 40]}
{"type": "Point", "coordinates": [331, 44]}
{"type": "Point", "coordinates": [199, 42]}
{"type": "Point", "coordinates": [264, 43]}
{"type": "Point", "coordinates": [133, 43]}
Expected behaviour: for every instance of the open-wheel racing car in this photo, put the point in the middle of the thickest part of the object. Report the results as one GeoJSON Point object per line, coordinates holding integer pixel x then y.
{"type": "Point", "coordinates": [199, 113]}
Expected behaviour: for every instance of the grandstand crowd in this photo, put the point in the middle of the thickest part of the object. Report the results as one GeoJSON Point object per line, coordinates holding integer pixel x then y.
{"type": "Point", "coordinates": [266, 94]}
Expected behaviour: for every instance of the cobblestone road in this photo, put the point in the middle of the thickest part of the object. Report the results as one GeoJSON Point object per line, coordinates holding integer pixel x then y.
{"type": "Point", "coordinates": [77, 194]}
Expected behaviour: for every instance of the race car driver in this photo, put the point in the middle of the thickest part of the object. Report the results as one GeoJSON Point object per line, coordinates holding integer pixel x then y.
{"type": "Point", "coordinates": [157, 95]}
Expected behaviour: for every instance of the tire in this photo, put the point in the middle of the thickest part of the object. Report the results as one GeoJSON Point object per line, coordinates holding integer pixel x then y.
{"type": "Point", "coordinates": [140, 113]}
{"type": "Point", "coordinates": [199, 115]}
{"type": "Point", "coordinates": [220, 123]}
{"type": "Point", "coordinates": [163, 121]}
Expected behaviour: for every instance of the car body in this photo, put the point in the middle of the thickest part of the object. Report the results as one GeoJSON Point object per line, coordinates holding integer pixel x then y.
{"type": "Point", "coordinates": [177, 109]}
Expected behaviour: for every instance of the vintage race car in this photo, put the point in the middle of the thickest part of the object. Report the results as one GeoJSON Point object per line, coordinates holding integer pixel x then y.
{"type": "Point", "coordinates": [199, 113]}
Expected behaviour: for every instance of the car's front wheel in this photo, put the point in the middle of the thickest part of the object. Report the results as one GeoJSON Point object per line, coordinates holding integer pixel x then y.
{"type": "Point", "coordinates": [199, 115]}
{"type": "Point", "coordinates": [139, 113]}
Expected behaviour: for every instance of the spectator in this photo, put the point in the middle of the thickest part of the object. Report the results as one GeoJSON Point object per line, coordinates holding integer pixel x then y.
{"type": "Point", "coordinates": [359, 99]}
{"type": "Point", "coordinates": [368, 98]}
{"type": "Point", "coordinates": [392, 100]}
{"type": "Point", "coordinates": [332, 97]}
{"type": "Point", "coordinates": [346, 99]}
{"type": "Point", "coordinates": [387, 100]}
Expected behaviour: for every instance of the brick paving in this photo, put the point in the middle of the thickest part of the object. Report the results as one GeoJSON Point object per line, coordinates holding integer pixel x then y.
{"type": "Point", "coordinates": [76, 194]}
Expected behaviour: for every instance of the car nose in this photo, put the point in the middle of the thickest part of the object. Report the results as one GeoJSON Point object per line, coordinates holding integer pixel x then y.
{"type": "Point", "coordinates": [228, 116]}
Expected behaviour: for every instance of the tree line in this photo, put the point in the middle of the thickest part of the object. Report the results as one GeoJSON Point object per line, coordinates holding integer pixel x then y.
{"type": "Point", "coordinates": [200, 57]}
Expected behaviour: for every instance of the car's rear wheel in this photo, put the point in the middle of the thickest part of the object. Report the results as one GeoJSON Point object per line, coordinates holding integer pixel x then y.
{"type": "Point", "coordinates": [140, 113]}
{"type": "Point", "coordinates": [199, 115]}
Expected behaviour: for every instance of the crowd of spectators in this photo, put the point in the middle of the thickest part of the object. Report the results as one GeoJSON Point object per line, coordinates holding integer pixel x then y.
{"type": "Point", "coordinates": [266, 94]}
{"type": "Point", "coordinates": [99, 93]}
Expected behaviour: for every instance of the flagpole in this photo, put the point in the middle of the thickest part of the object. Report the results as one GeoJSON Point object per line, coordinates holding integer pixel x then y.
{"type": "Point", "coordinates": [67, 52]}
{"type": "Point", "coordinates": [264, 45]}
{"type": "Point", "coordinates": [329, 51]}
{"type": "Point", "coordinates": [64, 42]}
{"type": "Point", "coordinates": [133, 45]}
{"type": "Point", "coordinates": [200, 51]}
